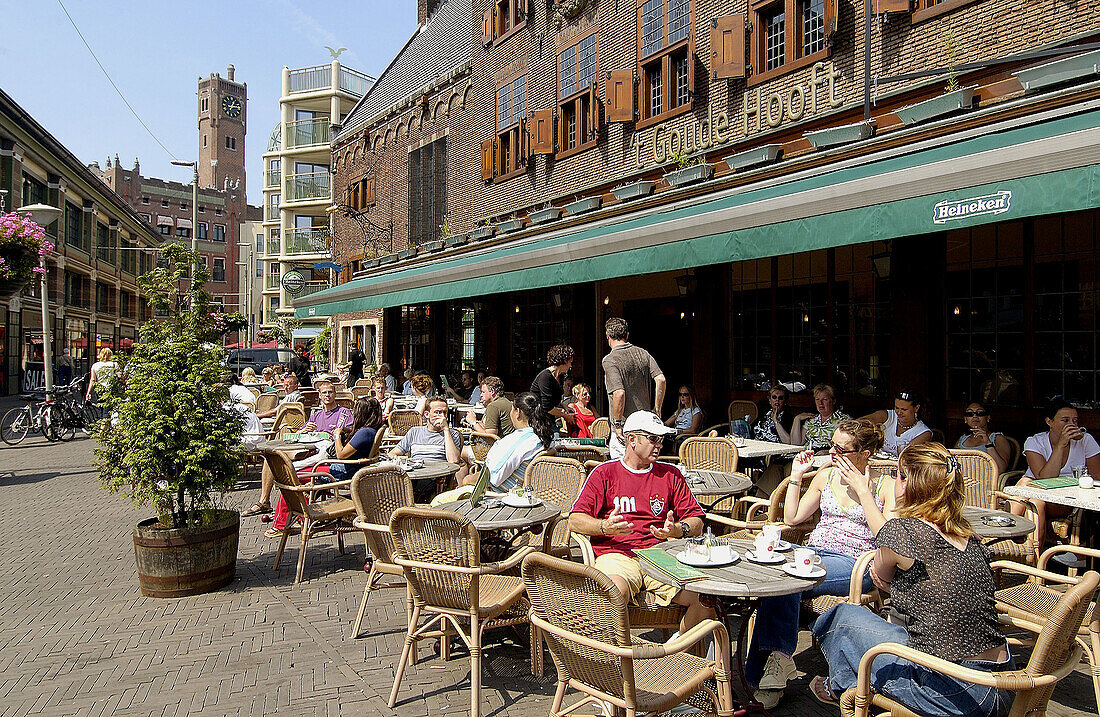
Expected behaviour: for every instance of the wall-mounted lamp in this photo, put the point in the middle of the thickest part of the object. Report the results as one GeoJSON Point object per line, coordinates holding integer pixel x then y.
{"type": "Point", "coordinates": [606, 300]}
{"type": "Point", "coordinates": [881, 263]}
{"type": "Point", "coordinates": [686, 284]}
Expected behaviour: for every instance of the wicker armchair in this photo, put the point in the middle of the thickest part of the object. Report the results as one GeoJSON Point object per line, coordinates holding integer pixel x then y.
{"type": "Point", "coordinates": [586, 623]}
{"type": "Point", "coordinates": [364, 382]}
{"type": "Point", "coordinates": [332, 515]}
{"type": "Point", "coordinates": [980, 472]}
{"type": "Point", "coordinates": [708, 454]}
{"type": "Point", "coordinates": [310, 399]}
{"type": "Point", "coordinates": [1029, 605]}
{"type": "Point", "coordinates": [1055, 655]}
{"type": "Point", "coordinates": [289, 415]}
{"type": "Point", "coordinates": [440, 554]}
{"type": "Point", "coordinates": [480, 443]}
{"type": "Point", "coordinates": [581, 454]}
{"type": "Point", "coordinates": [266, 402]}
{"type": "Point", "coordinates": [377, 492]}
{"type": "Point", "coordinates": [401, 420]}
{"type": "Point", "coordinates": [740, 409]}
{"type": "Point", "coordinates": [601, 428]}
{"type": "Point", "coordinates": [360, 391]}
{"type": "Point", "coordinates": [557, 481]}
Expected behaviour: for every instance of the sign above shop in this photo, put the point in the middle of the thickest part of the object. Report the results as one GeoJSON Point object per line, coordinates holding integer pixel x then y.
{"type": "Point", "coordinates": [955, 209]}
{"type": "Point", "coordinates": [760, 111]}
{"type": "Point", "coordinates": [294, 282]}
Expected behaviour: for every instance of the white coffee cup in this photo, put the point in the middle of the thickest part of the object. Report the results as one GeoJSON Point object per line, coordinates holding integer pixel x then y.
{"type": "Point", "coordinates": [805, 560]}
{"type": "Point", "coordinates": [762, 547]}
{"type": "Point", "coordinates": [720, 553]}
{"type": "Point", "coordinates": [1085, 481]}
{"type": "Point", "coordinates": [772, 532]}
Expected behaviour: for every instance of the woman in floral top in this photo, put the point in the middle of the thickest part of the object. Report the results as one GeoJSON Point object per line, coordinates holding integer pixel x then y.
{"type": "Point", "coordinates": [815, 431]}
{"type": "Point", "coordinates": [775, 425]}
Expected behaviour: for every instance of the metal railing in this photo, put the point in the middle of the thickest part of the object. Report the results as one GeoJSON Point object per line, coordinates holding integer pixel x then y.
{"type": "Point", "coordinates": [307, 241]}
{"type": "Point", "coordinates": [273, 177]}
{"type": "Point", "coordinates": [275, 141]}
{"type": "Point", "coordinates": [311, 287]}
{"type": "Point", "coordinates": [272, 281]}
{"type": "Point", "coordinates": [319, 77]}
{"type": "Point", "coordinates": [274, 248]}
{"type": "Point", "coordinates": [308, 132]}
{"type": "Point", "coordinates": [355, 83]}
{"type": "Point", "coordinates": [314, 185]}
{"type": "Point", "coordinates": [271, 212]}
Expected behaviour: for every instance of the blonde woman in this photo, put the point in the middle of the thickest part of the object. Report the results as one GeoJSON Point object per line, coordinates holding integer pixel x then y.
{"type": "Point", "coordinates": [248, 376]}
{"type": "Point", "coordinates": [582, 415]}
{"type": "Point", "coordinates": [938, 576]}
{"type": "Point", "coordinates": [103, 374]}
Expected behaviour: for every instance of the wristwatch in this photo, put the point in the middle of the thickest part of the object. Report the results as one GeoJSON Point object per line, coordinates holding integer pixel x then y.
{"type": "Point", "coordinates": [685, 529]}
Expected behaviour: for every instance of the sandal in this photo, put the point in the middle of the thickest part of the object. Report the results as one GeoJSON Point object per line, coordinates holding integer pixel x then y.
{"type": "Point", "coordinates": [819, 688]}
{"type": "Point", "coordinates": [257, 509]}
{"type": "Point", "coordinates": [276, 533]}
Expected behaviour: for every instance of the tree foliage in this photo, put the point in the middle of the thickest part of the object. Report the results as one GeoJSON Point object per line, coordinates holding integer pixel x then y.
{"type": "Point", "coordinates": [168, 440]}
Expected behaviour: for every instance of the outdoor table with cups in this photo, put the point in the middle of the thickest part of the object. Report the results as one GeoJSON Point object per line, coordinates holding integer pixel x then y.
{"type": "Point", "coordinates": [716, 485]}
{"type": "Point", "coordinates": [1078, 490]}
{"type": "Point", "coordinates": [737, 573]}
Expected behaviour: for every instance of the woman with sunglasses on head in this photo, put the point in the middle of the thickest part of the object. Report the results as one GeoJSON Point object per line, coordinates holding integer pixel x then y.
{"type": "Point", "coordinates": [902, 426]}
{"type": "Point", "coordinates": [937, 573]}
{"type": "Point", "coordinates": [854, 504]}
{"type": "Point", "coordinates": [688, 418]}
{"type": "Point", "coordinates": [980, 438]}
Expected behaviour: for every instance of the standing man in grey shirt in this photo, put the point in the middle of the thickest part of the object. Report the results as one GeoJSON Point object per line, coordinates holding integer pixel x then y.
{"type": "Point", "coordinates": [633, 380]}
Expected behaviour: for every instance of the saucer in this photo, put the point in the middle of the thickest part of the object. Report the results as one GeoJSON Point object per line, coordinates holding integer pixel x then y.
{"type": "Point", "coordinates": [688, 558]}
{"type": "Point", "coordinates": [776, 558]}
{"type": "Point", "coordinates": [817, 572]}
{"type": "Point", "coordinates": [519, 501]}
{"type": "Point", "coordinates": [782, 546]}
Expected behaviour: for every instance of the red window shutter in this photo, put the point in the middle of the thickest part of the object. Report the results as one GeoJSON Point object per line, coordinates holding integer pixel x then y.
{"type": "Point", "coordinates": [369, 192]}
{"type": "Point", "coordinates": [727, 44]}
{"type": "Point", "coordinates": [832, 15]}
{"type": "Point", "coordinates": [487, 27]}
{"type": "Point", "coordinates": [892, 6]}
{"type": "Point", "coordinates": [619, 95]}
{"type": "Point", "coordinates": [487, 159]}
{"type": "Point", "coordinates": [542, 132]}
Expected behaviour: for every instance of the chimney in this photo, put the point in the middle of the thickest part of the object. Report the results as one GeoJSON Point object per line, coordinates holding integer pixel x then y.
{"type": "Point", "coordinates": [137, 167]}
{"type": "Point", "coordinates": [424, 10]}
{"type": "Point", "coordinates": [230, 70]}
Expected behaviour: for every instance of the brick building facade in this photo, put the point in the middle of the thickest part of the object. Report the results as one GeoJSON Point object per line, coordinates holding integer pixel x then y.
{"type": "Point", "coordinates": [538, 106]}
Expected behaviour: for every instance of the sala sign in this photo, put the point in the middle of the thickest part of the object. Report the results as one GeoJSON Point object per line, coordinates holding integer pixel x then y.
{"type": "Point", "coordinates": [759, 111]}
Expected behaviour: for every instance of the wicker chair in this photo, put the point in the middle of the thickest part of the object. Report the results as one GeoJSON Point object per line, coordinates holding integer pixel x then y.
{"type": "Point", "coordinates": [1029, 605]}
{"type": "Point", "coordinates": [364, 382]}
{"type": "Point", "coordinates": [586, 623]}
{"type": "Point", "coordinates": [339, 386]}
{"type": "Point", "coordinates": [980, 472]}
{"type": "Point", "coordinates": [700, 453]}
{"type": "Point", "coordinates": [440, 553]}
{"type": "Point", "coordinates": [1056, 654]}
{"type": "Point", "coordinates": [740, 409]}
{"type": "Point", "coordinates": [360, 391]}
{"type": "Point", "coordinates": [401, 420]}
{"type": "Point", "coordinates": [581, 454]}
{"type": "Point", "coordinates": [480, 443]}
{"type": "Point", "coordinates": [310, 399]}
{"type": "Point", "coordinates": [266, 402]}
{"type": "Point", "coordinates": [332, 515]}
{"type": "Point", "coordinates": [289, 415]}
{"type": "Point", "coordinates": [1014, 459]}
{"type": "Point", "coordinates": [555, 480]}
{"type": "Point", "coordinates": [601, 428]}
{"type": "Point", "coordinates": [377, 492]}
{"type": "Point", "coordinates": [345, 400]}
{"type": "Point", "coordinates": [255, 391]}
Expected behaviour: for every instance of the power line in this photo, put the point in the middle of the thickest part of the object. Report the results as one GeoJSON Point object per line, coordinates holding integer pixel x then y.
{"type": "Point", "coordinates": [105, 74]}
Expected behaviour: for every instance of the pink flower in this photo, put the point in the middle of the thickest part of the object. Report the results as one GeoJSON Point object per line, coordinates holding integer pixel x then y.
{"type": "Point", "coordinates": [38, 270]}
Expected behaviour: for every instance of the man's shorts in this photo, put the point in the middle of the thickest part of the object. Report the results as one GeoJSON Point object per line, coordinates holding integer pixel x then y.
{"type": "Point", "coordinates": [643, 589]}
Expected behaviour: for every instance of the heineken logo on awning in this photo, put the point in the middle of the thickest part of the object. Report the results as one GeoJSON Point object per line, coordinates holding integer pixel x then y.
{"type": "Point", "coordinates": [954, 209]}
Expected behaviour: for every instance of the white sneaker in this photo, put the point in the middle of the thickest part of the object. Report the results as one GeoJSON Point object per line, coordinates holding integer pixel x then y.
{"type": "Point", "coordinates": [777, 670]}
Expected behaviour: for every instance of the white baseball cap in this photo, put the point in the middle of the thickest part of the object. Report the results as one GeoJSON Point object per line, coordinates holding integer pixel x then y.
{"type": "Point", "coordinates": [647, 422]}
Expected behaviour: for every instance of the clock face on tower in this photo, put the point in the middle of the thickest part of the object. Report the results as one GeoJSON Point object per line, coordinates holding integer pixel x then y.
{"type": "Point", "coordinates": [231, 106]}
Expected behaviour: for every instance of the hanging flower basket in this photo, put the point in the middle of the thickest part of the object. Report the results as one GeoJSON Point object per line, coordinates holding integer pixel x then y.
{"type": "Point", "coordinates": [22, 242]}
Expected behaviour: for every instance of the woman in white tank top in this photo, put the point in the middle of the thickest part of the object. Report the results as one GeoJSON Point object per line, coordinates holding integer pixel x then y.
{"type": "Point", "coordinates": [902, 425]}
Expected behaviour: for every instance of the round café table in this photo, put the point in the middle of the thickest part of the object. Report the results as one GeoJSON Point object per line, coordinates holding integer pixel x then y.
{"type": "Point", "coordinates": [990, 530]}
{"type": "Point", "coordinates": [432, 474]}
{"type": "Point", "coordinates": [495, 518]}
{"type": "Point", "coordinates": [716, 485]}
{"type": "Point", "coordinates": [737, 588]}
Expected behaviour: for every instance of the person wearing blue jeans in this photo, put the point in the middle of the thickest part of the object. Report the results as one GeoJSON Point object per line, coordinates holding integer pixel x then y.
{"type": "Point", "coordinates": [846, 632]}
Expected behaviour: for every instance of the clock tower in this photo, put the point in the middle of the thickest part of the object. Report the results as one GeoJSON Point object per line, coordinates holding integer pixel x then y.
{"type": "Point", "coordinates": [222, 123]}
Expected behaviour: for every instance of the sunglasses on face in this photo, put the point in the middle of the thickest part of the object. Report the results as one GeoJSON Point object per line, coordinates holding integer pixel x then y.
{"type": "Point", "coordinates": [841, 450]}
{"type": "Point", "coordinates": [655, 440]}
{"type": "Point", "coordinates": [685, 395]}
{"type": "Point", "coordinates": [971, 414]}
{"type": "Point", "coordinates": [777, 397]}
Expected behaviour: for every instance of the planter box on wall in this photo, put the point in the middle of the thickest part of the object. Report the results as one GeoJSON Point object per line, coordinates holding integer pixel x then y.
{"type": "Point", "coordinates": [1059, 71]}
{"type": "Point", "coordinates": [690, 175]}
{"type": "Point", "coordinates": [387, 259]}
{"type": "Point", "coordinates": [836, 136]}
{"type": "Point", "coordinates": [457, 240]}
{"type": "Point", "coordinates": [408, 253]}
{"type": "Point", "coordinates": [482, 233]}
{"type": "Point", "coordinates": [430, 246]}
{"type": "Point", "coordinates": [634, 190]}
{"type": "Point", "coordinates": [945, 104]}
{"type": "Point", "coordinates": [511, 225]}
{"type": "Point", "coordinates": [542, 216]}
{"type": "Point", "coordinates": [764, 154]}
{"type": "Point", "coordinates": [583, 205]}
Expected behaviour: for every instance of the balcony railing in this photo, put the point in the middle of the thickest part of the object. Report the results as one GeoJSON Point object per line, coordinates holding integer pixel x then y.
{"type": "Point", "coordinates": [271, 212]}
{"type": "Point", "coordinates": [314, 185]}
{"type": "Point", "coordinates": [270, 316]}
{"type": "Point", "coordinates": [273, 246]}
{"type": "Point", "coordinates": [307, 241]}
{"type": "Point", "coordinates": [272, 281]}
{"type": "Point", "coordinates": [309, 79]}
{"type": "Point", "coordinates": [308, 132]}
{"type": "Point", "coordinates": [272, 178]}
{"type": "Point", "coordinates": [311, 287]}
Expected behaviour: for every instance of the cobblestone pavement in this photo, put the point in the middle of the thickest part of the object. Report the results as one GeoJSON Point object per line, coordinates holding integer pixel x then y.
{"type": "Point", "coordinates": [77, 637]}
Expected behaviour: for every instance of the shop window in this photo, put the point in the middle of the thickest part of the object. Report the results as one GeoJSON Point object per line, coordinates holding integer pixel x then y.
{"type": "Point", "coordinates": [537, 324]}
{"type": "Point", "coordinates": [788, 34]}
{"type": "Point", "coordinates": [416, 337]}
{"type": "Point", "coordinates": [502, 19]}
{"type": "Point", "coordinates": [506, 155]}
{"type": "Point", "coordinates": [427, 191]}
{"type": "Point", "coordinates": [666, 64]}
{"type": "Point", "coordinates": [578, 106]}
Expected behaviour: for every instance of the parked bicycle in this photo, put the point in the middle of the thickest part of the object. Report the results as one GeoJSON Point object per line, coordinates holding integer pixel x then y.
{"type": "Point", "coordinates": [57, 417]}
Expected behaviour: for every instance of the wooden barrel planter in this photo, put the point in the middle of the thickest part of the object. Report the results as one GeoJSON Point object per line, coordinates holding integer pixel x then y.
{"type": "Point", "coordinates": [191, 561]}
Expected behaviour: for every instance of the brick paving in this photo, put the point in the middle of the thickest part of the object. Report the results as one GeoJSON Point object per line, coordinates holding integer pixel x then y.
{"type": "Point", "coordinates": [77, 637]}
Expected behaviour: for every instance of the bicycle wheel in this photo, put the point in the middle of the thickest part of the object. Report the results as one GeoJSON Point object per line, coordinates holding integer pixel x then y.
{"type": "Point", "coordinates": [65, 420]}
{"type": "Point", "coordinates": [15, 424]}
{"type": "Point", "coordinates": [89, 414]}
{"type": "Point", "coordinates": [48, 421]}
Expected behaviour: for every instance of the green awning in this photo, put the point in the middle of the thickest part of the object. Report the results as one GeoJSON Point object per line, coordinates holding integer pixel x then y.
{"type": "Point", "coordinates": [989, 175]}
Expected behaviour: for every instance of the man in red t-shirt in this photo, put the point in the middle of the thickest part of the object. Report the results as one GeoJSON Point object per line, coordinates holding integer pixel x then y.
{"type": "Point", "coordinates": [636, 502]}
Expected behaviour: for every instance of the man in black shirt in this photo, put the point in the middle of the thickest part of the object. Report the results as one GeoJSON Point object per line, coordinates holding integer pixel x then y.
{"type": "Point", "coordinates": [356, 357]}
{"type": "Point", "coordinates": [299, 365]}
{"type": "Point", "coordinates": [547, 384]}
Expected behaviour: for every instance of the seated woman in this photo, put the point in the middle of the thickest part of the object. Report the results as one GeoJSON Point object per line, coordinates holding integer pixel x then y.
{"type": "Point", "coordinates": [378, 393]}
{"type": "Point", "coordinates": [938, 577]}
{"type": "Point", "coordinates": [815, 430]}
{"type": "Point", "coordinates": [854, 505]}
{"type": "Point", "coordinates": [688, 418]}
{"type": "Point", "coordinates": [508, 458]}
{"type": "Point", "coordinates": [267, 382]}
{"type": "Point", "coordinates": [1065, 445]}
{"type": "Point", "coordinates": [248, 376]}
{"type": "Point", "coordinates": [774, 426]}
{"type": "Point", "coordinates": [902, 425]}
{"type": "Point", "coordinates": [980, 438]}
{"type": "Point", "coordinates": [583, 415]}
{"type": "Point", "coordinates": [366, 415]}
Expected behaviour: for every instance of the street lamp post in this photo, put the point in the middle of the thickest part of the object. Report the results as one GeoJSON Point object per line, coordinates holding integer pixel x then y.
{"type": "Point", "coordinates": [44, 215]}
{"type": "Point", "coordinates": [247, 296]}
{"type": "Point", "coordinates": [194, 213]}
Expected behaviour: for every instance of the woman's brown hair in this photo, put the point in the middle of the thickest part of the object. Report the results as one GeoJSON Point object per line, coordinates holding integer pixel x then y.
{"type": "Point", "coordinates": [935, 488]}
{"type": "Point", "coordinates": [866, 435]}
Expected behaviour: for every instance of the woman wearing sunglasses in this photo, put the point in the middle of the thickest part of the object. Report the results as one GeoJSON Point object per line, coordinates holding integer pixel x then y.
{"type": "Point", "coordinates": [854, 504]}
{"type": "Point", "coordinates": [980, 438]}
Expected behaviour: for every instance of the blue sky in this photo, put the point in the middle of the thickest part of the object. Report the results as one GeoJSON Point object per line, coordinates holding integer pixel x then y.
{"type": "Point", "coordinates": [156, 50]}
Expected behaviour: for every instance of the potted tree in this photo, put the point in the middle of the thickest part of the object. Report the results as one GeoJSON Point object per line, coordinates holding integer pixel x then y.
{"type": "Point", "coordinates": [169, 442]}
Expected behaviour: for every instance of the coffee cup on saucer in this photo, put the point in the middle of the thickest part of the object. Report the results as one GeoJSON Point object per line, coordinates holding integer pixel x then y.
{"type": "Point", "coordinates": [772, 532]}
{"type": "Point", "coordinates": [762, 547]}
{"type": "Point", "coordinates": [805, 560]}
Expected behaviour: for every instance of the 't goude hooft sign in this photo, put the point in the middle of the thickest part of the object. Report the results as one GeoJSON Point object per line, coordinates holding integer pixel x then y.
{"type": "Point", "coordinates": [760, 111]}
